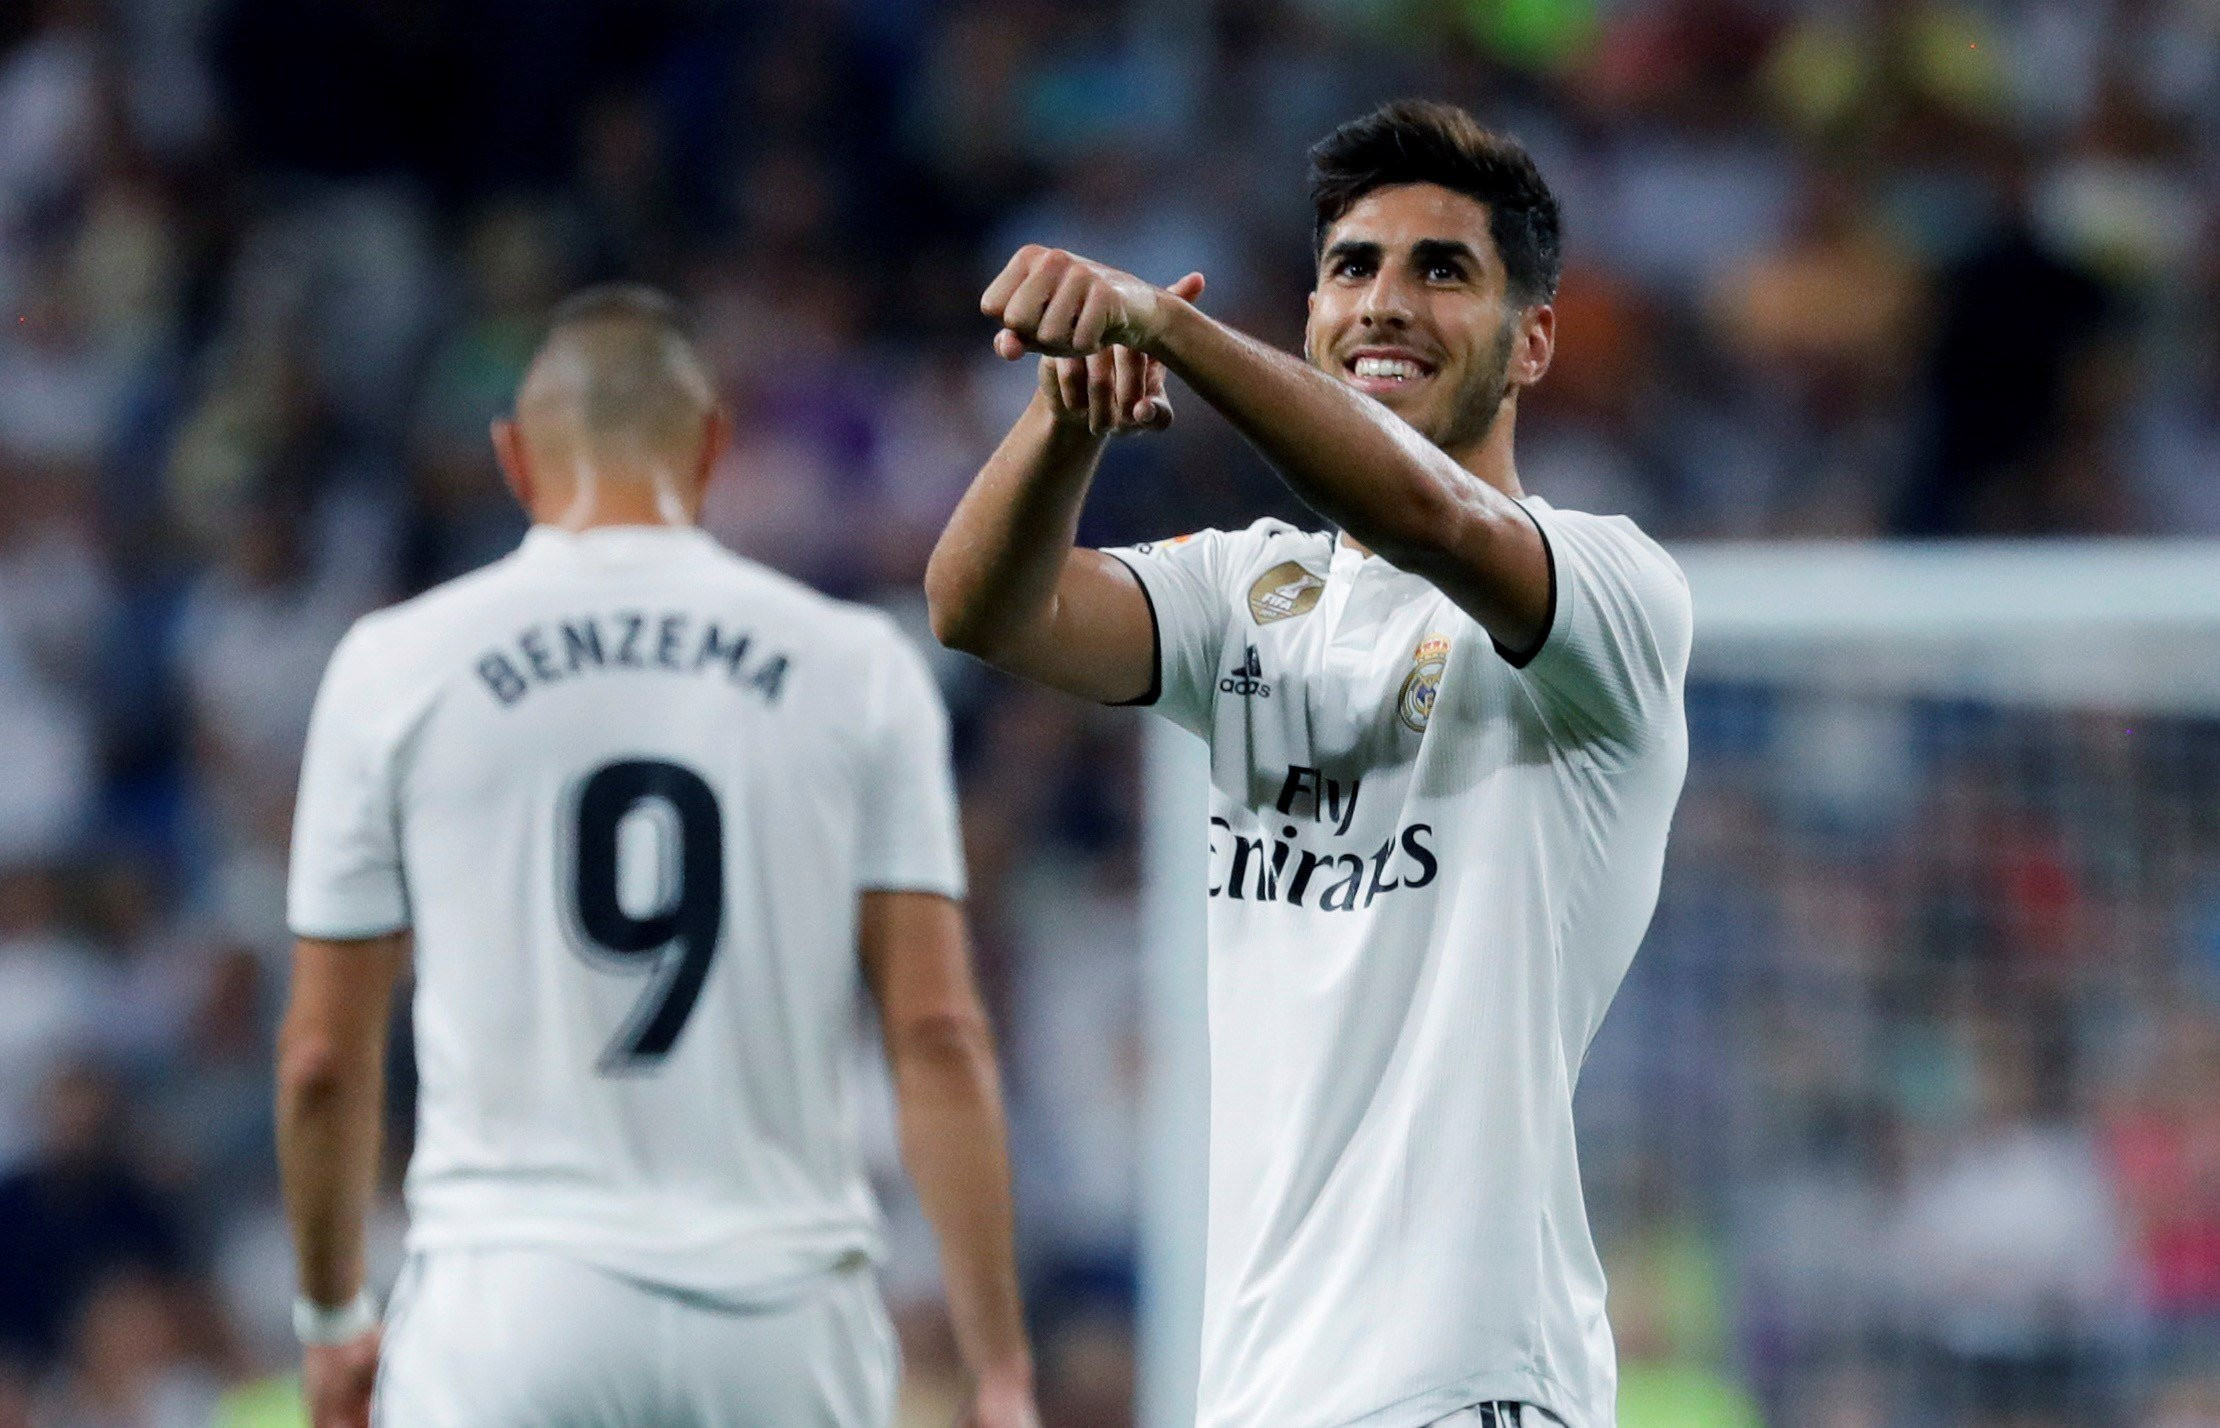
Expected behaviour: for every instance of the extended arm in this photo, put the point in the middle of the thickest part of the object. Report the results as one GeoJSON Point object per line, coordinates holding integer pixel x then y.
{"type": "Point", "coordinates": [330, 1108]}
{"type": "Point", "coordinates": [1348, 457]}
{"type": "Point", "coordinates": [948, 1097]}
{"type": "Point", "coordinates": [1363, 468]}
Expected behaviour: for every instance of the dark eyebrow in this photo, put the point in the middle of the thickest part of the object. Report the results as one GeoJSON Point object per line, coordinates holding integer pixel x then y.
{"type": "Point", "coordinates": [1347, 249]}
{"type": "Point", "coordinates": [1434, 250]}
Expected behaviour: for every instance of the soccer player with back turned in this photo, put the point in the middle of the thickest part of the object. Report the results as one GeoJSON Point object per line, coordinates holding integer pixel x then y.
{"type": "Point", "coordinates": [653, 815]}
{"type": "Point", "coordinates": [1445, 745]}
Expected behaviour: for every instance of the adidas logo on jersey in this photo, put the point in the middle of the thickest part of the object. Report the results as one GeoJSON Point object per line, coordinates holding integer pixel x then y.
{"type": "Point", "coordinates": [1247, 679]}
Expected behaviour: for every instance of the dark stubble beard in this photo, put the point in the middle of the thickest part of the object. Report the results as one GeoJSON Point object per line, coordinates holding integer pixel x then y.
{"type": "Point", "coordinates": [1479, 398]}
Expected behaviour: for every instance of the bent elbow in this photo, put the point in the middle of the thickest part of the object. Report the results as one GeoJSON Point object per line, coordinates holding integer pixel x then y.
{"type": "Point", "coordinates": [948, 623]}
{"type": "Point", "coordinates": [964, 636]}
{"type": "Point", "coordinates": [960, 626]}
{"type": "Point", "coordinates": [953, 624]}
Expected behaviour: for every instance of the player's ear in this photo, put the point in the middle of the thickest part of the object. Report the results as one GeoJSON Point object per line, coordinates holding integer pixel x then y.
{"type": "Point", "coordinates": [1536, 345]}
{"type": "Point", "coordinates": [508, 451]}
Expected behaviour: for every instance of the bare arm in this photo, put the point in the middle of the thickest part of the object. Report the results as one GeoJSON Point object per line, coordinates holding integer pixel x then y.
{"type": "Point", "coordinates": [1007, 581]}
{"type": "Point", "coordinates": [916, 958]}
{"type": "Point", "coordinates": [1348, 457]}
{"type": "Point", "coordinates": [1366, 470]}
{"type": "Point", "coordinates": [330, 1108]}
{"type": "Point", "coordinates": [1008, 584]}
{"type": "Point", "coordinates": [331, 1102]}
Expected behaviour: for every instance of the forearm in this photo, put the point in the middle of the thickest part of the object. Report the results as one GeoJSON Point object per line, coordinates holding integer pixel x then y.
{"type": "Point", "coordinates": [1347, 457]}
{"type": "Point", "coordinates": [954, 1146]}
{"type": "Point", "coordinates": [994, 572]}
{"type": "Point", "coordinates": [328, 1134]}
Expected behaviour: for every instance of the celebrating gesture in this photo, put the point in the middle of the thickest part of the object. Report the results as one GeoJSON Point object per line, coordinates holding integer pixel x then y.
{"type": "Point", "coordinates": [1501, 677]}
{"type": "Point", "coordinates": [1093, 325]}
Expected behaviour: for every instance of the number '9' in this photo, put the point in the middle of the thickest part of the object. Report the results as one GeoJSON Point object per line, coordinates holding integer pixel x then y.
{"type": "Point", "coordinates": [677, 942]}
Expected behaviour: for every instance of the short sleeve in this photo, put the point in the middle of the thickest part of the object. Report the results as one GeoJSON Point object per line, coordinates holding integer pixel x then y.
{"type": "Point", "coordinates": [911, 841]}
{"type": "Point", "coordinates": [346, 880]}
{"type": "Point", "coordinates": [1614, 660]}
{"type": "Point", "coordinates": [1184, 581]}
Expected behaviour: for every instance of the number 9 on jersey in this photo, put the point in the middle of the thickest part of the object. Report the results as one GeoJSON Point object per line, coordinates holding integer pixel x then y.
{"type": "Point", "coordinates": [674, 944]}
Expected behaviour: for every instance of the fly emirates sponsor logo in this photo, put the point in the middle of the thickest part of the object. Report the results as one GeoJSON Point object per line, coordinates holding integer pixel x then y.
{"type": "Point", "coordinates": [1313, 810]}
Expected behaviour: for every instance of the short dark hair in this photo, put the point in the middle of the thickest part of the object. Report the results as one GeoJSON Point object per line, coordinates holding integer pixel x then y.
{"type": "Point", "coordinates": [625, 362]}
{"type": "Point", "coordinates": [1425, 141]}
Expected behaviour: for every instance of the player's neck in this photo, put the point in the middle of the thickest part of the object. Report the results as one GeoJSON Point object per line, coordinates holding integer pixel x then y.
{"type": "Point", "coordinates": [591, 504]}
{"type": "Point", "coordinates": [1489, 456]}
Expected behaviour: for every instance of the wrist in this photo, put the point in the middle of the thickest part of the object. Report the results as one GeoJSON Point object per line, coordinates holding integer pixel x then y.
{"type": "Point", "coordinates": [321, 1325]}
{"type": "Point", "coordinates": [1173, 317]}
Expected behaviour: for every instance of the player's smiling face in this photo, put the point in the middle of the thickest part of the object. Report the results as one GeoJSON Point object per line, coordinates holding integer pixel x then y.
{"type": "Point", "coordinates": [1411, 308]}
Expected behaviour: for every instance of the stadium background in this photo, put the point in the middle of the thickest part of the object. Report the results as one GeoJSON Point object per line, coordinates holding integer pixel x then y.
{"type": "Point", "coordinates": [1893, 268]}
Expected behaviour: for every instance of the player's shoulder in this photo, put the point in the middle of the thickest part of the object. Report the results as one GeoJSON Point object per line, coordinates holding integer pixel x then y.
{"type": "Point", "coordinates": [1614, 532]}
{"type": "Point", "coordinates": [411, 628]}
{"type": "Point", "coordinates": [1233, 550]}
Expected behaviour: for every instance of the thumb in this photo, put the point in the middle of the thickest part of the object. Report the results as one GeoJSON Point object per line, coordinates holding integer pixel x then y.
{"type": "Point", "coordinates": [1188, 288]}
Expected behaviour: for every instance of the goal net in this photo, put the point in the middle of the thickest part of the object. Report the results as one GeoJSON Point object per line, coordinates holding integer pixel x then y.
{"type": "Point", "coordinates": [1909, 1110]}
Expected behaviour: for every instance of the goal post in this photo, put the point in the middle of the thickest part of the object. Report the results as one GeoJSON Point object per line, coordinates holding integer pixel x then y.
{"type": "Point", "coordinates": [2014, 735]}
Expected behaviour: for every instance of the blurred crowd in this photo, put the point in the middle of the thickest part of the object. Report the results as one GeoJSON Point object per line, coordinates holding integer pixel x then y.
{"type": "Point", "coordinates": [1910, 1115]}
{"type": "Point", "coordinates": [1909, 1112]}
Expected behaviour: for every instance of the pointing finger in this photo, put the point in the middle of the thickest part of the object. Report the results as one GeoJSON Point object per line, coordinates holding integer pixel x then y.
{"type": "Point", "coordinates": [1102, 392]}
{"type": "Point", "coordinates": [1071, 383]}
{"type": "Point", "coordinates": [1122, 368]}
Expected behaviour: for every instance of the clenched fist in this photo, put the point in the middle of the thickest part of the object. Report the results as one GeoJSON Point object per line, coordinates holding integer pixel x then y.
{"type": "Point", "coordinates": [1093, 324]}
{"type": "Point", "coordinates": [1062, 305]}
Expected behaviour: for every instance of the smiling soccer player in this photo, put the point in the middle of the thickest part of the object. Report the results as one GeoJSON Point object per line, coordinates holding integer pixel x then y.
{"type": "Point", "coordinates": [1446, 743]}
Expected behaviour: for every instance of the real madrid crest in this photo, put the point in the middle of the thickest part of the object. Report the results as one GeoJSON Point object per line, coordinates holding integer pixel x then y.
{"type": "Point", "coordinates": [1415, 706]}
{"type": "Point", "coordinates": [1283, 592]}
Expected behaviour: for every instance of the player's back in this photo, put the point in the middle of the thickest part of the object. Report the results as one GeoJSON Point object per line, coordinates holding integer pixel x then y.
{"type": "Point", "coordinates": [637, 785]}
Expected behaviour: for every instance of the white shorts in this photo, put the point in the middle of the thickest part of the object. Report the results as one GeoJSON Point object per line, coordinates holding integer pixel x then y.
{"type": "Point", "coordinates": [528, 1339]}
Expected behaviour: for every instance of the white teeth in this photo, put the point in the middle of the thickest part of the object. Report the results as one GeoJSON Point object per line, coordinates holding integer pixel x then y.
{"type": "Point", "coordinates": [1391, 367]}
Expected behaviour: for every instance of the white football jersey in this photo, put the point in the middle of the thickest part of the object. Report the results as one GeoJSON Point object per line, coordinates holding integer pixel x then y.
{"type": "Point", "coordinates": [1429, 868]}
{"type": "Point", "coordinates": [626, 787]}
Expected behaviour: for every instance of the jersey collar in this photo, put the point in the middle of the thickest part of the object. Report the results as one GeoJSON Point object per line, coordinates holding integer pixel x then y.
{"type": "Point", "coordinates": [614, 545]}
